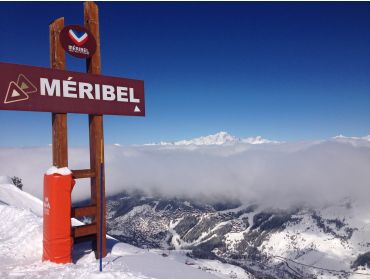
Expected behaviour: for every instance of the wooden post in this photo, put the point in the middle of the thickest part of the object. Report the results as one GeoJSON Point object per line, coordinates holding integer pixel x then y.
{"type": "Point", "coordinates": [60, 140]}
{"type": "Point", "coordinates": [59, 120]}
{"type": "Point", "coordinates": [91, 18]}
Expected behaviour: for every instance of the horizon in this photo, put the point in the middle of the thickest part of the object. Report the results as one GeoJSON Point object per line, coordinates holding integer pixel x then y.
{"type": "Point", "coordinates": [253, 140]}
{"type": "Point", "coordinates": [302, 171]}
{"type": "Point", "coordinates": [283, 71]}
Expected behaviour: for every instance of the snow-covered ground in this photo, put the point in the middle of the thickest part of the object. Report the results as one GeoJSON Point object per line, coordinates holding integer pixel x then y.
{"type": "Point", "coordinates": [21, 250]}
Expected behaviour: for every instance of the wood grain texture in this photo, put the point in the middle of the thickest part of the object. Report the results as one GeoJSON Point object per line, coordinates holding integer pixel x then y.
{"type": "Point", "coordinates": [91, 19]}
{"type": "Point", "coordinates": [86, 238]}
{"type": "Point", "coordinates": [84, 230]}
{"type": "Point", "coordinates": [59, 120]}
{"type": "Point", "coordinates": [82, 211]}
{"type": "Point", "coordinates": [83, 173]}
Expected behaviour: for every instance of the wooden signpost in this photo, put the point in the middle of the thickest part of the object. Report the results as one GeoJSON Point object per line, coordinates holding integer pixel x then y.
{"type": "Point", "coordinates": [60, 92]}
{"type": "Point", "coordinates": [60, 144]}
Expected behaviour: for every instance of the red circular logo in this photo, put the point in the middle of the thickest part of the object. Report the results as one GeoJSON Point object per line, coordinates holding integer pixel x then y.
{"type": "Point", "coordinates": [77, 41]}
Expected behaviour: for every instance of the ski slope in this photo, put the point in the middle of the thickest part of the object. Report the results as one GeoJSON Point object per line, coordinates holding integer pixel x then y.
{"type": "Point", "coordinates": [21, 250]}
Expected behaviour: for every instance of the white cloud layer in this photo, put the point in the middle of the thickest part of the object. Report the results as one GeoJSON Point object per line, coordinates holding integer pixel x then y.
{"type": "Point", "coordinates": [275, 174]}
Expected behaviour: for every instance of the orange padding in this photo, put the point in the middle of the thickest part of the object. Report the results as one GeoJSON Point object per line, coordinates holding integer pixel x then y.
{"type": "Point", "coordinates": [58, 241]}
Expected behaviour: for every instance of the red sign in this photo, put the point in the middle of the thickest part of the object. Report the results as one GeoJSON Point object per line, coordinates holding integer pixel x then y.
{"type": "Point", "coordinates": [28, 88]}
{"type": "Point", "coordinates": [77, 41]}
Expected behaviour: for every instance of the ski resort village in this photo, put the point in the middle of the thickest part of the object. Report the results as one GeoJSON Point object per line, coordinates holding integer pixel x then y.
{"type": "Point", "coordinates": [185, 140]}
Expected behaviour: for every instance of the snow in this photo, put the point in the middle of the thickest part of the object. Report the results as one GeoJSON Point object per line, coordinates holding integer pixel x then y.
{"type": "Point", "coordinates": [257, 140]}
{"type": "Point", "coordinates": [6, 180]}
{"type": "Point", "coordinates": [220, 138]}
{"type": "Point", "coordinates": [234, 238]}
{"type": "Point", "coordinates": [342, 137]}
{"type": "Point", "coordinates": [224, 138]}
{"type": "Point", "coordinates": [21, 250]}
{"type": "Point", "coordinates": [231, 270]}
{"type": "Point", "coordinates": [60, 171]}
{"type": "Point", "coordinates": [308, 244]}
{"type": "Point", "coordinates": [363, 141]}
{"type": "Point", "coordinates": [11, 195]}
{"type": "Point", "coordinates": [176, 240]}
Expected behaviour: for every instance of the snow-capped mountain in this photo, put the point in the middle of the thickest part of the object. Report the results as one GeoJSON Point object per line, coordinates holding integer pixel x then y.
{"type": "Point", "coordinates": [268, 243]}
{"type": "Point", "coordinates": [214, 139]}
{"type": "Point", "coordinates": [224, 138]}
{"type": "Point", "coordinates": [220, 138]}
{"type": "Point", "coordinates": [342, 137]}
{"type": "Point", "coordinates": [363, 141]}
{"type": "Point", "coordinates": [257, 140]}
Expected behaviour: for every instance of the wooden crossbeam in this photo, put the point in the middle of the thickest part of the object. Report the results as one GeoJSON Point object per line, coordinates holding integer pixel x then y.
{"type": "Point", "coordinates": [84, 230]}
{"type": "Point", "coordinates": [82, 211]}
{"type": "Point", "coordinates": [86, 238]}
{"type": "Point", "coordinates": [83, 173]}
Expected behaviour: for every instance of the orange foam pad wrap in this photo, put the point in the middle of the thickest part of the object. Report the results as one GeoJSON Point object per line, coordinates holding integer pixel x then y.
{"type": "Point", "coordinates": [58, 241]}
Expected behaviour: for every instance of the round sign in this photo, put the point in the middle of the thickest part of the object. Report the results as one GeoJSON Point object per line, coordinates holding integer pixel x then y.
{"type": "Point", "coordinates": [77, 41]}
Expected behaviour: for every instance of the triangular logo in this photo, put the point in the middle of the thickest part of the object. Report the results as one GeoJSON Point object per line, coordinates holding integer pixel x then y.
{"type": "Point", "coordinates": [25, 84]}
{"type": "Point", "coordinates": [15, 94]}
{"type": "Point", "coordinates": [137, 110]}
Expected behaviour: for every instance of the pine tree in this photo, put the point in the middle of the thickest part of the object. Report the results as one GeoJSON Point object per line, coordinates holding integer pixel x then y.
{"type": "Point", "coordinates": [17, 182]}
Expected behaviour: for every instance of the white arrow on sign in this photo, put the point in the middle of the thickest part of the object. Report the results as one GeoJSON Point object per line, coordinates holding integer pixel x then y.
{"type": "Point", "coordinates": [137, 110]}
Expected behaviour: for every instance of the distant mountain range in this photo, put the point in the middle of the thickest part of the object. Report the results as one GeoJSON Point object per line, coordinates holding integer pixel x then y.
{"type": "Point", "coordinates": [220, 138]}
{"type": "Point", "coordinates": [339, 137]}
{"type": "Point", "coordinates": [224, 138]}
{"type": "Point", "coordinates": [298, 242]}
{"type": "Point", "coordinates": [301, 241]}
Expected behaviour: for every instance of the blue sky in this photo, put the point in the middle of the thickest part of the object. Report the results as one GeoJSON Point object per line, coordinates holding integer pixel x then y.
{"type": "Point", "coordinates": [286, 71]}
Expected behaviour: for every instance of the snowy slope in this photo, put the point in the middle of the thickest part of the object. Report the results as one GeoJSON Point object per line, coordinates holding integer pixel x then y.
{"type": "Point", "coordinates": [320, 242]}
{"type": "Point", "coordinates": [21, 250]}
{"type": "Point", "coordinates": [11, 196]}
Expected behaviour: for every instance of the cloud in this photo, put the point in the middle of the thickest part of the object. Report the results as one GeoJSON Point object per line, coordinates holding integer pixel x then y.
{"type": "Point", "coordinates": [277, 175]}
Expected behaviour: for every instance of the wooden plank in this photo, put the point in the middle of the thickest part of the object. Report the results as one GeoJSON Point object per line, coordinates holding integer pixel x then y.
{"type": "Point", "coordinates": [91, 19]}
{"type": "Point", "coordinates": [57, 54]}
{"type": "Point", "coordinates": [83, 173]}
{"type": "Point", "coordinates": [84, 230]}
{"type": "Point", "coordinates": [86, 238]}
{"type": "Point", "coordinates": [59, 121]}
{"type": "Point", "coordinates": [89, 210]}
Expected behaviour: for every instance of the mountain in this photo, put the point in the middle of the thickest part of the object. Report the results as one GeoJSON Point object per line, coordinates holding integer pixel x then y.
{"type": "Point", "coordinates": [299, 242]}
{"type": "Point", "coordinates": [220, 138]}
{"type": "Point", "coordinates": [342, 137]}
{"type": "Point", "coordinates": [224, 138]}
{"type": "Point", "coordinates": [351, 138]}
{"type": "Point", "coordinates": [226, 238]}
